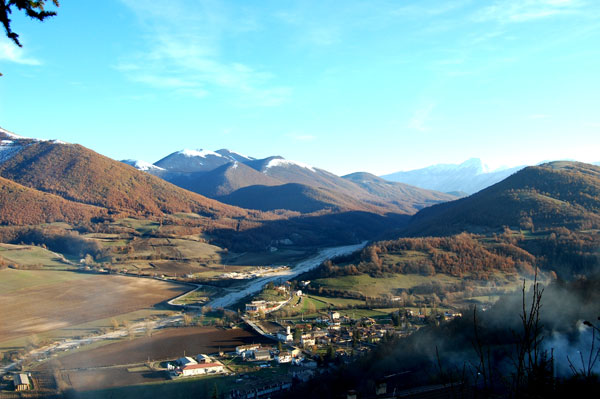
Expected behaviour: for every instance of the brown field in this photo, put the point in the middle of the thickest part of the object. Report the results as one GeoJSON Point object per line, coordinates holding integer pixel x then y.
{"type": "Point", "coordinates": [163, 345]}
{"type": "Point", "coordinates": [53, 303]}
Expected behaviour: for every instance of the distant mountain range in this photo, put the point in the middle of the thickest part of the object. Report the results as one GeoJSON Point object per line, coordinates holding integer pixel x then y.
{"type": "Point", "coordinates": [468, 177]}
{"type": "Point", "coordinates": [276, 183]}
{"type": "Point", "coordinates": [45, 181]}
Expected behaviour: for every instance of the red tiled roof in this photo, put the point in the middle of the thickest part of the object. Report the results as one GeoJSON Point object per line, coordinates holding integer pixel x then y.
{"type": "Point", "coordinates": [201, 366]}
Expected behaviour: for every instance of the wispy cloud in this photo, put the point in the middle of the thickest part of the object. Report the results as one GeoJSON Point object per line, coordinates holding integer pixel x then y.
{"type": "Point", "coordinates": [12, 53]}
{"type": "Point", "coordinates": [421, 116]}
{"type": "Point", "coordinates": [184, 52]}
{"type": "Point", "coordinates": [513, 11]}
{"type": "Point", "coordinates": [301, 137]}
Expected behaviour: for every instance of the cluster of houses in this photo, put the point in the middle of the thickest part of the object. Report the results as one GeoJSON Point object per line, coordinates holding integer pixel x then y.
{"type": "Point", "coordinates": [339, 330]}
{"type": "Point", "coordinates": [188, 366]}
{"type": "Point", "coordinates": [258, 353]}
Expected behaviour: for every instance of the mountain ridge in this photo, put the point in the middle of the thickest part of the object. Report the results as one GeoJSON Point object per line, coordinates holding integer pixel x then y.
{"type": "Point", "coordinates": [555, 194]}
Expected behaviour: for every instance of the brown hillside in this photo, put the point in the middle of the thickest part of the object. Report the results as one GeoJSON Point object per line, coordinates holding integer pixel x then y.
{"type": "Point", "coordinates": [81, 175]}
{"type": "Point", "coordinates": [21, 205]}
{"type": "Point", "coordinates": [557, 194]}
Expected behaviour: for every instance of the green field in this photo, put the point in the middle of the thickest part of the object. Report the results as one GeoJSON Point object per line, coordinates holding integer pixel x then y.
{"type": "Point", "coordinates": [141, 226]}
{"type": "Point", "coordinates": [375, 287]}
{"type": "Point", "coordinates": [198, 297]}
{"type": "Point", "coordinates": [32, 256]}
{"type": "Point", "coordinates": [336, 302]}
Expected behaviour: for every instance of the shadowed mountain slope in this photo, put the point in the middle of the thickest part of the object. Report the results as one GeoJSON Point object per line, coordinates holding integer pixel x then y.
{"type": "Point", "coordinates": [221, 181]}
{"type": "Point", "coordinates": [296, 197]}
{"type": "Point", "coordinates": [408, 198]}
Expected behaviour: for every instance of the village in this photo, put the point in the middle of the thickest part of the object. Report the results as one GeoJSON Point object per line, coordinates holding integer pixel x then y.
{"type": "Point", "coordinates": [300, 348]}
{"type": "Point", "coordinates": [292, 348]}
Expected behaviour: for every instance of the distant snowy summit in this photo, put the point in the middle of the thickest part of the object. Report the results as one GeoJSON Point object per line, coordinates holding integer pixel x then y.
{"type": "Point", "coordinates": [141, 165]}
{"type": "Point", "coordinates": [468, 177]}
{"type": "Point", "coordinates": [200, 160]}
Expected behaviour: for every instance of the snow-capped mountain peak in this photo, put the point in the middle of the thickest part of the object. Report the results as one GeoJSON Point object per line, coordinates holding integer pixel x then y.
{"type": "Point", "coordinates": [141, 165]}
{"type": "Point", "coordinates": [234, 156]}
{"type": "Point", "coordinates": [199, 153]}
{"type": "Point", "coordinates": [10, 135]}
{"type": "Point", "coordinates": [280, 162]}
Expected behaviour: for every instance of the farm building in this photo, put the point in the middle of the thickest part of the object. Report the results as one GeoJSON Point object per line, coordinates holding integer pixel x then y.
{"type": "Point", "coordinates": [200, 369]}
{"type": "Point", "coordinates": [201, 359]}
{"type": "Point", "coordinates": [263, 354]}
{"type": "Point", "coordinates": [244, 348]}
{"type": "Point", "coordinates": [21, 382]}
{"type": "Point", "coordinates": [185, 361]}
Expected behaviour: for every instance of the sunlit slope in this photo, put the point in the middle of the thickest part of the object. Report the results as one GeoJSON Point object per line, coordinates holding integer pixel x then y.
{"type": "Point", "coordinates": [82, 175]}
{"type": "Point", "coordinates": [20, 205]}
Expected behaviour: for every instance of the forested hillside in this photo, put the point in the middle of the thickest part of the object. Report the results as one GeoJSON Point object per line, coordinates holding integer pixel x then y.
{"type": "Point", "coordinates": [557, 194]}
{"type": "Point", "coordinates": [79, 174]}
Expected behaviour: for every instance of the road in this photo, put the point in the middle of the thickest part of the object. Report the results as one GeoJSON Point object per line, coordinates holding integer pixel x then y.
{"type": "Point", "coordinates": [255, 286]}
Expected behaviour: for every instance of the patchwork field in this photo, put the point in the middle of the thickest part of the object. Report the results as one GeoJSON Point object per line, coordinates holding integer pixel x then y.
{"type": "Point", "coordinates": [36, 301]}
{"type": "Point", "coordinates": [165, 344]}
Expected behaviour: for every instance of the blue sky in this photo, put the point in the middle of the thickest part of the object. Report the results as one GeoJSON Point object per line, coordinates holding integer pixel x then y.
{"type": "Point", "coordinates": [376, 86]}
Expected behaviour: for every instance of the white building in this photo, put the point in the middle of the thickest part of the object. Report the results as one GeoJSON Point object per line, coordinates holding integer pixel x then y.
{"type": "Point", "coordinates": [285, 336]}
{"type": "Point", "coordinates": [244, 348]}
{"type": "Point", "coordinates": [261, 354]}
{"type": "Point", "coordinates": [284, 357]}
{"type": "Point", "coordinates": [201, 369]}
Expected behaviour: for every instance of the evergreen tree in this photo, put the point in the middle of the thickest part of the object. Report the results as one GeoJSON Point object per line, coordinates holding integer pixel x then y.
{"type": "Point", "coordinates": [34, 9]}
